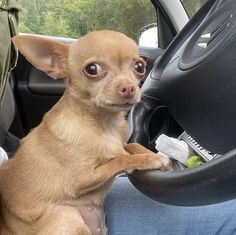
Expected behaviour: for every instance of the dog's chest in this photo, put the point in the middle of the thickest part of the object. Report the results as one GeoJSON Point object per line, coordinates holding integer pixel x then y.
{"type": "Point", "coordinates": [113, 138]}
{"type": "Point", "coordinates": [103, 144]}
{"type": "Point", "coordinates": [112, 144]}
{"type": "Point", "coordinates": [102, 138]}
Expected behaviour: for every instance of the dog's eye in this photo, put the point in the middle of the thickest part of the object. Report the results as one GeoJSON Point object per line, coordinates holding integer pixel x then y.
{"type": "Point", "coordinates": [140, 67]}
{"type": "Point", "coordinates": [93, 70]}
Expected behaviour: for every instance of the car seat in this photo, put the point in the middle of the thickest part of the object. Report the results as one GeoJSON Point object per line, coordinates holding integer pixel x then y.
{"type": "Point", "coordinates": [8, 141]}
{"type": "Point", "coordinates": [9, 10]}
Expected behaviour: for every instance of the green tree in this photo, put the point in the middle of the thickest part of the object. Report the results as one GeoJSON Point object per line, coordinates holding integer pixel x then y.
{"type": "Point", "coordinates": [73, 18]}
{"type": "Point", "coordinates": [35, 11]}
{"type": "Point", "coordinates": [193, 6]}
{"type": "Point", "coordinates": [132, 17]}
{"type": "Point", "coordinates": [53, 25]}
{"type": "Point", "coordinates": [127, 16]}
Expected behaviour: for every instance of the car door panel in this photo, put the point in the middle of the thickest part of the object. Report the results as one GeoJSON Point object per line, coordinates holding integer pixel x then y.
{"type": "Point", "coordinates": [41, 84]}
{"type": "Point", "coordinates": [35, 93]}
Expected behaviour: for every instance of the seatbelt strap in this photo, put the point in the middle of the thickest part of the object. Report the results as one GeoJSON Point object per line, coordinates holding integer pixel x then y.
{"type": "Point", "coordinates": [3, 135]}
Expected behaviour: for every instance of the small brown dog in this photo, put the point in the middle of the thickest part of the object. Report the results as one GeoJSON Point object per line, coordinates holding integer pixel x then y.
{"type": "Point", "coordinates": [57, 180]}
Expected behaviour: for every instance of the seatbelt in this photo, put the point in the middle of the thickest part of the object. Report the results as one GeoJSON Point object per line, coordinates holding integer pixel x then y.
{"type": "Point", "coordinates": [2, 137]}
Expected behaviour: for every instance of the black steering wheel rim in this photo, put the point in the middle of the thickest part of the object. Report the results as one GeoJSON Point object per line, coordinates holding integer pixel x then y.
{"type": "Point", "coordinates": [171, 75]}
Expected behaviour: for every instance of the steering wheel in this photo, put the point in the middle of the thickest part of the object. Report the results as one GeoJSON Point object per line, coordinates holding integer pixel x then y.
{"type": "Point", "coordinates": [195, 81]}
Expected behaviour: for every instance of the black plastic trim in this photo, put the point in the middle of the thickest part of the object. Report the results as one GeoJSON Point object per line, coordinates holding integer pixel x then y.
{"type": "Point", "coordinates": [210, 183]}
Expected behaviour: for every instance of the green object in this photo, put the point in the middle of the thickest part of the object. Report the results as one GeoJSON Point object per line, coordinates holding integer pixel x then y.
{"type": "Point", "coordinates": [193, 161]}
{"type": "Point", "coordinates": [9, 10]}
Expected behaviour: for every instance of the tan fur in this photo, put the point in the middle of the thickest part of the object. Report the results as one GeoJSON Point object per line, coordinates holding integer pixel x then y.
{"type": "Point", "coordinates": [67, 163]}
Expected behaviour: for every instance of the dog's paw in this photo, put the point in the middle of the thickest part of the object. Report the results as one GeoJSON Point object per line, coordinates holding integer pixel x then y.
{"type": "Point", "coordinates": [167, 163]}
{"type": "Point", "coordinates": [154, 161]}
{"type": "Point", "coordinates": [151, 160]}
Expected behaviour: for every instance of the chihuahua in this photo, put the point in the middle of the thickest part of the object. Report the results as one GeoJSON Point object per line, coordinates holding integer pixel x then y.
{"type": "Point", "coordinates": [57, 181]}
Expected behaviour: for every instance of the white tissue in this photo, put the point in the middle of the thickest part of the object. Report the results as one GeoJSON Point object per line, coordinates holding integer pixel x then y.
{"type": "Point", "coordinates": [3, 156]}
{"type": "Point", "coordinates": [173, 148]}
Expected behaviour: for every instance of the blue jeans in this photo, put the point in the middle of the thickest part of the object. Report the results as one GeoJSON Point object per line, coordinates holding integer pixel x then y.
{"type": "Point", "coordinates": [128, 212]}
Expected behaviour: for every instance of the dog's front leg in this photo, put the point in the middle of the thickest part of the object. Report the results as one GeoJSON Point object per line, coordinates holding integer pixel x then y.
{"type": "Point", "coordinates": [120, 164]}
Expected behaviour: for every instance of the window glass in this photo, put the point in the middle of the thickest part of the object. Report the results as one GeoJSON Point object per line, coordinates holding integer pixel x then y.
{"type": "Point", "coordinates": [192, 6]}
{"type": "Point", "coordinates": [73, 18]}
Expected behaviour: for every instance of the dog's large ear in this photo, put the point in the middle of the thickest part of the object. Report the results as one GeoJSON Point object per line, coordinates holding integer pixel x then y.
{"type": "Point", "coordinates": [47, 55]}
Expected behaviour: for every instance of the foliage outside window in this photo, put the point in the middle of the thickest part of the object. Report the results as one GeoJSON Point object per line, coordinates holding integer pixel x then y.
{"type": "Point", "coordinates": [74, 18]}
{"type": "Point", "coordinates": [192, 6]}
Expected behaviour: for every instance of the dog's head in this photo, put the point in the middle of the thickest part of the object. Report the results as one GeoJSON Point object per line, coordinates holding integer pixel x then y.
{"type": "Point", "coordinates": [103, 68]}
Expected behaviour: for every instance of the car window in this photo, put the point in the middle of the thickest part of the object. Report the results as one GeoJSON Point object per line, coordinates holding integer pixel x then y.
{"type": "Point", "coordinates": [192, 6]}
{"type": "Point", "coordinates": [74, 18]}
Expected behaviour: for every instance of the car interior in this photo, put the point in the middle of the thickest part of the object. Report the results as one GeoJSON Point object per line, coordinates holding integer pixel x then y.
{"type": "Point", "coordinates": [188, 93]}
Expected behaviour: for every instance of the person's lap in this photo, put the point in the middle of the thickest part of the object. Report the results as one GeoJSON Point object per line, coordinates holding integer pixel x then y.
{"type": "Point", "coordinates": [128, 212]}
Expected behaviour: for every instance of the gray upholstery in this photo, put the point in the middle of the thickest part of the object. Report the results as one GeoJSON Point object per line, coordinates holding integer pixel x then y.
{"type": "Point", "coordinates": [7, 110]}
{"type": "Point", "coordinates": [8, 142]}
